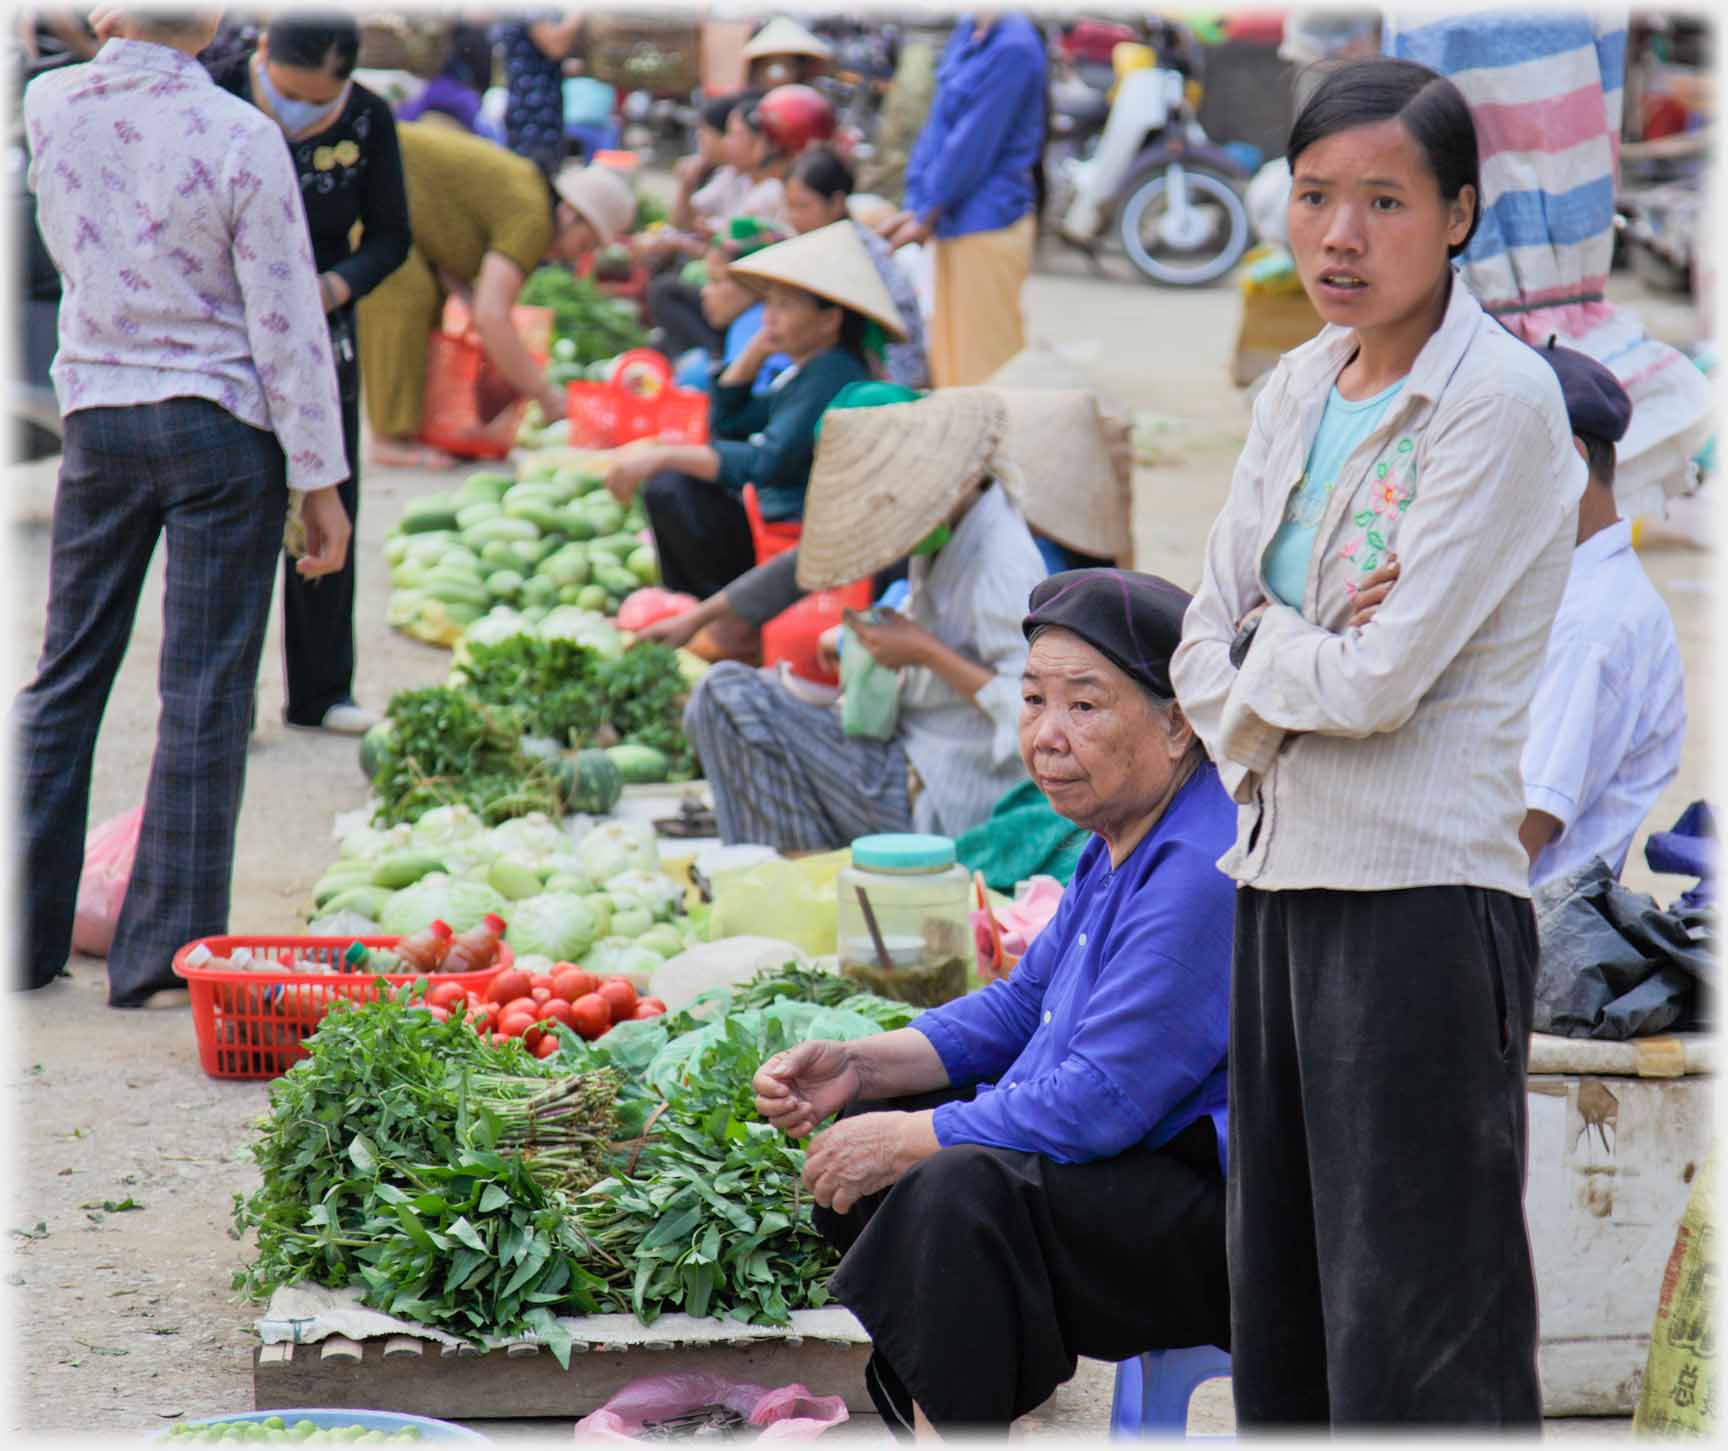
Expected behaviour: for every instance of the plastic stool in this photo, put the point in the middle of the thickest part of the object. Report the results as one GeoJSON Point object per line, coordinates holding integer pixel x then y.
{"type": "Point", "coordinates": [1153, 1390]}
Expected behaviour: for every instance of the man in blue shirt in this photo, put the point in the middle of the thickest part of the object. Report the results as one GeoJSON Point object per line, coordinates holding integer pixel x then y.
{"type": "Point", "coordinates": [969, 186]}
{"type": "Point", "coordinates": [1036, 1172]}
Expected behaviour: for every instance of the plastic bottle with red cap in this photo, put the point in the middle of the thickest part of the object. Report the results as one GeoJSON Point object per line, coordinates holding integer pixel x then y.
{"type": "Point", "coordinates": [427, 949]}
{"type": "Point", "coordinates": [476, 950]}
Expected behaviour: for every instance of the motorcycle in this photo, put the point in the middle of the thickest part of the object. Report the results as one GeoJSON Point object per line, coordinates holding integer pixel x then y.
{"type": "Point", "coordinates": [1149, 180]}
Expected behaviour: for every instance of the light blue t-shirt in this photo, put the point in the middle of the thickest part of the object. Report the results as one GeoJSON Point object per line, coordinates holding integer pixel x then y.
{"type": "Point", "coordinates": [1342, 427]}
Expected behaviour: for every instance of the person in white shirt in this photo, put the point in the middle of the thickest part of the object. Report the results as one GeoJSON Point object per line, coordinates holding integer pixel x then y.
{"type": "Point", "coordinates": [1609, 717]}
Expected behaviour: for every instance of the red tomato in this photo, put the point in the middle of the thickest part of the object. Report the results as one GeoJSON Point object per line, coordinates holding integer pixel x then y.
{"type": "Point", "coordinates": [441, 1014]}
{"type": "Point", "coordinates": [483, 1018]}
{"type": "Point", "coordinates": [621, 996]}
{"type": "Point", "coordinates": [571, 983]}
{"type": "Point", "coordinates": [546, 1047]}
{"type": "Point", "coordinates": [447, 995]}
{"type": "Point", "coordinates": [541, 995]}
{"type": "Point", "coordinates": [516, 1021]}
{"type": "Point", "coordinates": [658, 1004]}
{"type": "Point", "coordinates": [647, 1008]}
{"type": "Point", "coordinates": [541, 980]}
{"type": "Point", "coordinates": [557, 1010]}
{"type": "Point", "coordinates": [508, 986]}
{"type": "Point", "coordinates": [592, 1015]}
{"type": "Point", "coordinates": [500, 1039]}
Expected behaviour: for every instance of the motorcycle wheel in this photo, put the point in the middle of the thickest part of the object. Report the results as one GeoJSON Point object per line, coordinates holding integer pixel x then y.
{"type": "Point", "coordinates": [1227, 239]}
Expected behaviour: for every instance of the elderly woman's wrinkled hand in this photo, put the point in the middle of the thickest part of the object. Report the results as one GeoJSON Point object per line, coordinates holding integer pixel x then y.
{"type": "Point", "coordinates": [798, 1089]}
{"type": "Point", "coordinates": [862, 1155]}
{"type": "Point", "coordinates": [893, 641]}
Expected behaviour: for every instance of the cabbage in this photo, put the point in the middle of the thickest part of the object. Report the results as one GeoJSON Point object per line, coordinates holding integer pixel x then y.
{"type": "Point", "coordinates": [502, 624]}
{"type": "Point", "coordinates": [654, 890]}
{"type": "Point", "coordinates": [533, 965]}
{"type": "Point", "coordinates": [584, 627]}
{"type": "Point", "coordinates": [462, 904]}
{"type": "Point", "coordinates": [445, 826]}
{"type": "Point", "coordinates": [621, 957]}
{"type": "Point", "coordinates": [574, 883]}
{"type": "Point", "coordinates": [529, 839]}
{"type": "Point", "coordinates": [615, 847]}
{"type": "Point", "coordinates": [554, 924]}
{"type": "Point", "coordinates": [366, 844]}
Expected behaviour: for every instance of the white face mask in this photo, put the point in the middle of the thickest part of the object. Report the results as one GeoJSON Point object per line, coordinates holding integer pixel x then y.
{"type": "Point", "coordinates": [297, 116]}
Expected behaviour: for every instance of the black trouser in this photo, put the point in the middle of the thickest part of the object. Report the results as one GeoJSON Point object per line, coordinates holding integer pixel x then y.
{"type": "Point", "coordinates": [676, 307]}
{"type": "Point", "coordinates": [216, 488]}
{"type": "Point", "coordinates": [1380, 1266]}
{"type": "Point", "coordinates": [701, 533]}
{"type": "Point", "coordinates": [318, 614]}
{"type": "Point", "coordinates": [985, 1273]}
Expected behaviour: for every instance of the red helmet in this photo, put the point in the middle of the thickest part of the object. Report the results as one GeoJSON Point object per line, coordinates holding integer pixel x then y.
{"type": "Point", "coordinates": [793, 117]}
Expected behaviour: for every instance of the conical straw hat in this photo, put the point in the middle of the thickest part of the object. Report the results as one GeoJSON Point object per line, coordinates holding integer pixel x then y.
{"type": "Point", "coordinates": [1091, 508]}
{"type": "Point", "coordinates": [782, 36]}
{"type": "Point", "coordinates": [1069, 468]}
{"type": "Point", "coordinates": [885, 477]}
{"type": "Point", "coordinates": [831, 263]}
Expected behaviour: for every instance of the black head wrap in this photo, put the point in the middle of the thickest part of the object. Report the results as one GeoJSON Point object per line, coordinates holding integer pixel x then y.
{"type": "Point", "coordinates": [1134, 620]}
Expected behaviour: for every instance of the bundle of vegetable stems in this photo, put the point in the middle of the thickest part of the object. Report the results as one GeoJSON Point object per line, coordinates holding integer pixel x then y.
{"type": "Point", "coordinates": [561, 1130]}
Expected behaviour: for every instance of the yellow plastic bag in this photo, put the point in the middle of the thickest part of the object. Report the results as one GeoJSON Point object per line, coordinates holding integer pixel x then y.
{"type": "Point", "coordinates": [792, 900]}
{"type": "Point", "coordinates": [1680, 1378]}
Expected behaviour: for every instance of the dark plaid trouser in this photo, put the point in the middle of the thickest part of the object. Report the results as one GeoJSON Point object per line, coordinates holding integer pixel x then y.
{"type": "Point", "coordinates": [784, 773]}
{"type": "Point", "coordinates": [217, 488]}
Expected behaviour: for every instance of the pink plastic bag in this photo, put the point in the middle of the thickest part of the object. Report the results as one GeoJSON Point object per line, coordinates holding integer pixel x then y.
{"type": "Point", "coordinates": [108, 853]}
{"type": "Point", "coordinates": [1035, 903]}
{"type": "Point", "coordinates": [788, 1413]}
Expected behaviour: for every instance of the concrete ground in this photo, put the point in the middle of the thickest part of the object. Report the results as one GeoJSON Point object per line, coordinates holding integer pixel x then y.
{"type": "Point", "coordinates": [125, 1320]}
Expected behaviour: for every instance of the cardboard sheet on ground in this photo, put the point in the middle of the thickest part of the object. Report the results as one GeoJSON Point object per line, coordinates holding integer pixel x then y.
{"type": "Point", "coordinates": [310, 1314]}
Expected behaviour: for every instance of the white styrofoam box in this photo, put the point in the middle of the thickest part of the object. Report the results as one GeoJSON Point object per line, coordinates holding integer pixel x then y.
{"type": "Point", "coordinates": [1611, 1165]}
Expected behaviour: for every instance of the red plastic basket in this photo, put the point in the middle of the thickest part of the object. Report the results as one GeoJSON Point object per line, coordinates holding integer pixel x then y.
{"type": "Point", "coordinates": [450, 414]}
{"type": "Point", "coordinates": [253, 1024]}
{"type": "Point", "coordinates": [609, 414]}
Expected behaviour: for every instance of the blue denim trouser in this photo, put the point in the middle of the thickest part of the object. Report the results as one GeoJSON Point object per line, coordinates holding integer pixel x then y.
{"type": "Point", "coordinates": [216, 487]}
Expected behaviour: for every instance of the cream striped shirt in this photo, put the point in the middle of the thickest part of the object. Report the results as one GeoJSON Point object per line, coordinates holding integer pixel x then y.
{"type": "Point", "coordinates": [1388, 756]}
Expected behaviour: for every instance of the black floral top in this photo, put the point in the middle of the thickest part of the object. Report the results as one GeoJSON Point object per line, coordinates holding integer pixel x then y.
{"type": "Point", "coordinates": [349, 172]}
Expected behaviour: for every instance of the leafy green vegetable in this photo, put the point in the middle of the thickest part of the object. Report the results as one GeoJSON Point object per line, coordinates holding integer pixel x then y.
{"type": "Point", "coordinates": [600, 326]}
{"type": "Point", "coordinates": [556, 682]}
{"type": "Point", "coordinates": [409, 1159]}
{"type": "Point", "coordinates": [446, 749]}
{"type": "Point", "coordinates": [645, 696]}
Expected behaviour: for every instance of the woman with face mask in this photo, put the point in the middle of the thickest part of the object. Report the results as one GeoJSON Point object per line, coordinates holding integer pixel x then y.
{"type": "Point", "coordinates": [343, 144]}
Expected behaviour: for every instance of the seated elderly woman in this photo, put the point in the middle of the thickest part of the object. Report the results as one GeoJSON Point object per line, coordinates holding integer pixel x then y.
{"type": "Point", "coordinates": [1035, 1172]}
{"type": "Point", "coordinates": [920, 479]}
{"type": "Point", "coordinates": [827, 310]}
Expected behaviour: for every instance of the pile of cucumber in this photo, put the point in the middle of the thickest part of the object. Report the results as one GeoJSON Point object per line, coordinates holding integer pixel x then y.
{"type": "Point", "coordinates": [554, 538]}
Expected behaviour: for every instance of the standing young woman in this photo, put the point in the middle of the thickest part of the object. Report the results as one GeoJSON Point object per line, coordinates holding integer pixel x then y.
{"type": "Point", "coordinates": [342, 139]}
{"type": "Point", "coordinates": [1385, 947]}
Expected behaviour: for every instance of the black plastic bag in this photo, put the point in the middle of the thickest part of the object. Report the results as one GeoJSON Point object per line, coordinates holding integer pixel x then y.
{"type": "Point", "coordinates": [1616, 965]}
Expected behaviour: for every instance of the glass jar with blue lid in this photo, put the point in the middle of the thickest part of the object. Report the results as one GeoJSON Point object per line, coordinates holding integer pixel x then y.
{"type": "Point", "coordinates": [903, 918]}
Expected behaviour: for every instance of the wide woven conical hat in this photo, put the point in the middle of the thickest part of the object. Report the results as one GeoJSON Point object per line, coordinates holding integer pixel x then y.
{"type": "Point", "coordinates": [1068, 466]}
{"type": "Point", "coordinates": [831, 263]}
{"type": "Point", "coordinates": [784, 36]}
{"type": "Point", "coordinates": [1100, 524]}
{"type": "Point", "coordinates": [883, 478]}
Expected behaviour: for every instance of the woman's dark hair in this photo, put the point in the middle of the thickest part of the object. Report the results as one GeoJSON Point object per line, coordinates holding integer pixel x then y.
{"type": "Point", "coordinates": [1431, 108]}
{"type": "Point", "coordinates": [1600, 458]}
{"type": "Point", "coordinates": [824, 173]}
{"type": "Point", "coordinates": [315, 43]}
{"type": "Point", "coordinates": [745, 103]}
